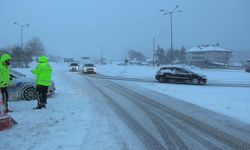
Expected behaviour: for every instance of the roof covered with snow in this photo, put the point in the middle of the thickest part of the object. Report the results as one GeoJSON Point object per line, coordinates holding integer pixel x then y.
{"type": "Point", "coordinates": [207, 48]}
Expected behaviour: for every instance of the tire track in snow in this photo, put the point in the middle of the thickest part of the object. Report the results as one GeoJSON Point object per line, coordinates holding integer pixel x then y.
{"type": "Point", "coordinates": [148, 140]}
{"type": "Point", "coordinates": [100, 124]}
{"type": "Point", "coordinates": [217, 134]}
{"type": "Point", "coordinates": [154, 81]}
{"type": "Point", "coordinates": [169, 136]}
{"type": "Point", "coordinates": [171, 139]}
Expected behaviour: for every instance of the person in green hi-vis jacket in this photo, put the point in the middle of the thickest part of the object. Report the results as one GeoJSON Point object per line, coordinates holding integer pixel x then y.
{"type": "Point", "coordinates": [5, 78]}
{"type": "Point", "coordinates": [43, 74]}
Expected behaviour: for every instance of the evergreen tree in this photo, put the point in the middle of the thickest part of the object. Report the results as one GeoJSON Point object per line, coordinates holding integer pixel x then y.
{"type": "Point", "coordinates": [159, 55]}
{"type": "Point", "coordinates": [182, 55]}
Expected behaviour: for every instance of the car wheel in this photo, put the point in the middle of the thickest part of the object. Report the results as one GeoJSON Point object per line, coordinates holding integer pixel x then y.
{"type": "Point", "coordinates": [29, 94]}
{"type": "Point", "coordinates": [162, 79]}
{"type": "Point", "coordinates": [201, 82]}
{"type": "Point", "coordinates": [195, 81]}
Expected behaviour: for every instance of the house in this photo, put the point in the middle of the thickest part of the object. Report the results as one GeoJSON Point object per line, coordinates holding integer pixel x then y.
{"type": "Point", "coordinates": [207, 56]}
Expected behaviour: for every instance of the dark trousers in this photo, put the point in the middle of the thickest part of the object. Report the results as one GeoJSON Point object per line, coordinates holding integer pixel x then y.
{"type": "Point", "coordinates": [41, 94]}
{"type": "Point", "coordinates": [5, 96]}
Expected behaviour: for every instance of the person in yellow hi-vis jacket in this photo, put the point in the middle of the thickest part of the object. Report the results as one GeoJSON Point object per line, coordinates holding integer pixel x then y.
{"type": "Point", "coordinates": [43, 74]}
{"type": "Point", "coordinates": [5, 78]}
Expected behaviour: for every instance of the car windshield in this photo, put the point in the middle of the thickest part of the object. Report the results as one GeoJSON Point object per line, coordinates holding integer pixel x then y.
{"type": "Point", "coordinates": [166, 68]}
{"type": "Point", "coordinates": [89, 65]}
{"type": "Point", "coordinates": [74, 64]}
{"type": "Point", "coordinates": [188, 70]}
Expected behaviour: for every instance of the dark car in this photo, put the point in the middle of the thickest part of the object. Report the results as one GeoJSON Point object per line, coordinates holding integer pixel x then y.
{"type": "Point", "coordinates": [179, 75]}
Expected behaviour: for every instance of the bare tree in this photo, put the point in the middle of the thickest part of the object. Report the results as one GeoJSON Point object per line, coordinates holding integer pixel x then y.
{"type": "Point", "coordinates": [20, 58]}
{"type": "Point", "coordinates": [35, 47]}
{"type": "Point", "coordinates": [134, 55]}
{"type": "Point", "coordinates": [4, 50]}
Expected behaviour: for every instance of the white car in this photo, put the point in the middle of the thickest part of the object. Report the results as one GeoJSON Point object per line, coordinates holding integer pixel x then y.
{"type": "Point", "coordinates": [24, 88]}
{"type": "Point", "coordinates": [89, 68]}
{"type": "Point", "coordinates": [74, 66]}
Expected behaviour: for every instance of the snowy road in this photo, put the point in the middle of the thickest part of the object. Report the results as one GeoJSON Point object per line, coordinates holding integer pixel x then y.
{"type": "Point", "coordinates": [93, 112]}
{"type": "Point", "coordinates": [170, 124]}
{"type": "Point", "coordinates": [217, 84]}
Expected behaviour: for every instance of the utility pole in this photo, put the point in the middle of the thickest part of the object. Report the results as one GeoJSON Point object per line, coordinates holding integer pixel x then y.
{"type": "Point", "coordinates": [171, 27]}
{"type": "Point", "coordinates": [21, 27]}
{"type": "Point", "coordinates": [102, 61]}
{"type": "Point", "coordinates": [171, 48]}
{"type": "Point", "coordinates": [153, 52]}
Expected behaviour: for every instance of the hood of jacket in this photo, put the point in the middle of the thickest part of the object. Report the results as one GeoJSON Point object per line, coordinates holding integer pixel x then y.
{"type": "Point", "coordinates": [5, 57]}
{"type": "Point", "coordinates": [43, 59]}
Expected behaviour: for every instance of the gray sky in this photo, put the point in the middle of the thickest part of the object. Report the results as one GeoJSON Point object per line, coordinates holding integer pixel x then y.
{"type": "Point", "coordinates": [72, 28]}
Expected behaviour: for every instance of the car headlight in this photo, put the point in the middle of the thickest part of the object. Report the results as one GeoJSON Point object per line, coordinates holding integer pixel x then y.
{"type": "Point", "coordinates": [95, 69]}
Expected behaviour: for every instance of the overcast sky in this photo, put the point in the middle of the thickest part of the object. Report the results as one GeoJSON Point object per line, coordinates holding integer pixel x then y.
{"type": "Point", "coordinates": [72, 28]}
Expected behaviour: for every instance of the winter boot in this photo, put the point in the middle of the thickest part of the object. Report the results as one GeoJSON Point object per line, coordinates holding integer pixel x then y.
{"type": "Point", "coordinates": [44, 105]}
{"type": "Point", "coordinates": [9, 110]}
{"type": "Point", "coordinates": [38, 107]}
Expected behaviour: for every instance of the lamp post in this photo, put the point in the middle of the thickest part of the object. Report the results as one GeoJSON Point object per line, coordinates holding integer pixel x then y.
{"type": "Point", "coordinates": [153, 52]}
{"type": "Point", "coordinates": [21, 27]}
{"type": "Point", "coordinates": [171, 27]}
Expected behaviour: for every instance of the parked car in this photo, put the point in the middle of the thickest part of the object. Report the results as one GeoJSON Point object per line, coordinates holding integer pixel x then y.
{"type": "Point", "coordinates": [74, 66]}
{"type": "Point", "coordinates": [89, 68]}
{"type": "Point", "coordinates": [24, 88]}
{"type": "Point", "coordinates": [179, 75]}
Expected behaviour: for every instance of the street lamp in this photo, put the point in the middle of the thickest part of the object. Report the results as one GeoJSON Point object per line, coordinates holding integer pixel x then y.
{"type": "Point", "coordinates": [22, 26]}
{"type": "Point", "coordinates": [171, 26]}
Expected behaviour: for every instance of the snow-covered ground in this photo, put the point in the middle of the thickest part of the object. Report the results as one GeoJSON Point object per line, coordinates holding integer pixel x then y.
{"type": "Point", "coordinates": [148, 72]}
{"type": "Point", "coordinates": [73, 111]}
{"type": "Point", "coordinates": [71, 118]}
{"type": "Point", "coordinates": [230, 101]}
{"type": "Point", "coordinates": [48, 128]}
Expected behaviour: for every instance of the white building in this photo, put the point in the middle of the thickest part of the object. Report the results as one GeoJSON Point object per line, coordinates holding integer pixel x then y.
{"type": "Point", "coordinates": [208, 56]}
